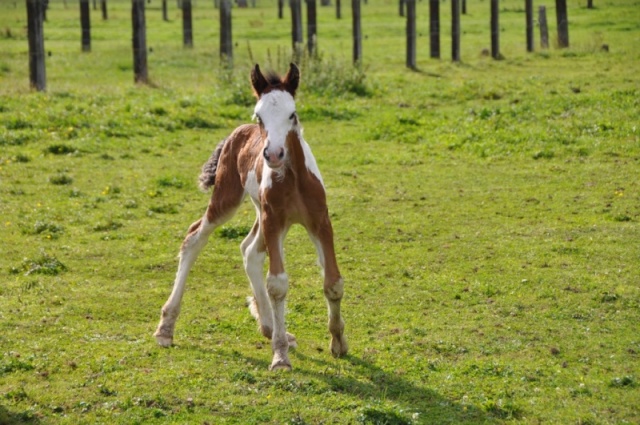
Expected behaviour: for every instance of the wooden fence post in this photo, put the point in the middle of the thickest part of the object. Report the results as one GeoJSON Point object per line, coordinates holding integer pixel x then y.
{"type": "Point", "coordinates": [187, 24]}
{"type": "Point", "coordinates": [165, 16]}
{"type": "Point", "coordinates": [563, 23]}
{"type": "Point", "coordinates": [226, 42]}
{"type": "Point", "coordinates": [37, 73]}
{"type": "Point", "coordinates": [495, 30]}
{"type": "Point", "coordinates": [411, 34]}
{"type": "Point", "coordinates": [339, 10]}
{"type": "Point", "coordinates": [455, 30]}
{"type": "Point", "coordinates": [312, 40]}
{"type": "Point", "coordinates": [140, 70]}
{"type": "Point", "coordinates": [434, 28]}
{"type": "Point", "coordinates": [401, 5]}
{"type": "Point", "coordinates": [357, 32]}
{"type": "Point", "coordinates": [464, 7]}
{"type": "Point", "coordinates": [589, 4]}
{"type": "Point", "coordinates": [544, 29]}
{"type": "Point", "coordinates": [280, 8]}
{"type": "Point", "coordinates": [103, 6]}
{"type": "Point", "coordinates": [296, 28]}
{"type": "Point", "coordinates": [85, 24]}
{"type": "Point", "coordinates": [528, 6]}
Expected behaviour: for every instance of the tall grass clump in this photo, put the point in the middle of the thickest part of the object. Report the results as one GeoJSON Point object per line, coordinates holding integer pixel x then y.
{"type": "Point", "coordinates": [324, 76]}
{"type": "Point", "coordinates": [328, 77]}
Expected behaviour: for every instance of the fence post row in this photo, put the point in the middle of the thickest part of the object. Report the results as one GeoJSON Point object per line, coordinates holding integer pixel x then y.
{"type": "Point", "coordinates": [37, 73]}
{"type": "Point", "coordinates": [85, 23]}
{"type": "Point", "coordinates": [140, 70]}
{"type": "Point", "coordinates": [36, 10]}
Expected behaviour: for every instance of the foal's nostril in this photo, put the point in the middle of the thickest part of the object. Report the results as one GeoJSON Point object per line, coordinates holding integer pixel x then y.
{"type": "Point", "coordinates": [281, 154]}
{"type": "Point", "coordinates": [265, 154]}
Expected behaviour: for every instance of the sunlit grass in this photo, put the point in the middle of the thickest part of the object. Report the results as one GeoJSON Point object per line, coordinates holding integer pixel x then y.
{"type": "Point", "coordinates": [486, 219]}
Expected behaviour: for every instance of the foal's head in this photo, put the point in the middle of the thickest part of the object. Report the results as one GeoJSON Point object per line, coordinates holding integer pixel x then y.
{"type": "Point", "coordinates": [275, 111]}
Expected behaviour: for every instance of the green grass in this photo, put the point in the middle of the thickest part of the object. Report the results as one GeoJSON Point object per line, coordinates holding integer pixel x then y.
{"type": "Point", "coordinates": [485, 214]}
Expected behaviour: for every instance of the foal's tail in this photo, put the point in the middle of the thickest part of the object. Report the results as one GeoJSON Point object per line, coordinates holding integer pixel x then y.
{"type": "Point", "coordinates": [208, 175]}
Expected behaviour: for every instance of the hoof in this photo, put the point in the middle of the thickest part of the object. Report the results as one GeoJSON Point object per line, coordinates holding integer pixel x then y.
{"type": "Point", "coordinates": [339, 346]}
{"type": "Point", "coordinates": [280, 365]}
{"type": "Point", "coordinates": [164, 341]}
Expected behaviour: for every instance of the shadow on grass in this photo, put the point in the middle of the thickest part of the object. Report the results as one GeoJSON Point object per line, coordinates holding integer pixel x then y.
{"type": "Point", "coordinates": [376, 387]}
{"type": "Point", "coordinates": [10, 418]}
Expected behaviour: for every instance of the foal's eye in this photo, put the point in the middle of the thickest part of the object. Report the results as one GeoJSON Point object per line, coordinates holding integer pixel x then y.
{"type": "Point", "coordinates": [293, 115]}
{"type": "Point", "coordinates": [258, 119]}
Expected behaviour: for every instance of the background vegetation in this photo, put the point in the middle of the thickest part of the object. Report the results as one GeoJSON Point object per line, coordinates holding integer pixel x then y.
{"type": "Point", "coordinates": [486, 217]}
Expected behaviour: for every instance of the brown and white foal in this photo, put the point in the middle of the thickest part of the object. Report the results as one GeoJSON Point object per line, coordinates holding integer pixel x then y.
{"type": "Point", "coordinates": [272, 163]}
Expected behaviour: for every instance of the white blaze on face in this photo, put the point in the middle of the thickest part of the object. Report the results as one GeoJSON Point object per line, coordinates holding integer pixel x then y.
{"type": "Point", "coordinates": [275, 111]}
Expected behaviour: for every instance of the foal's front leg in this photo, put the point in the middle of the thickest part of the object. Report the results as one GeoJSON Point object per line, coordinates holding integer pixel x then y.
{"type": "Point", "coordinates": [277, 287]}
{"type": "Point", "coordinates": [254, 253]}
{"type": "Point", "coordinates": [333, 286]}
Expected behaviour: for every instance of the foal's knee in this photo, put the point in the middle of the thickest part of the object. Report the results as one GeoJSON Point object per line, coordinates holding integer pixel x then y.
{"type": "Point", "coordinates": [335, 291]}
{"type": "Point", "coordinates": [277, 286]}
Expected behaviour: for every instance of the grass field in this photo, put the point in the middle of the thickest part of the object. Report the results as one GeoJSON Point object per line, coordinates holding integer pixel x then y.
{"type": "Point", "coordinates": [486, 218]}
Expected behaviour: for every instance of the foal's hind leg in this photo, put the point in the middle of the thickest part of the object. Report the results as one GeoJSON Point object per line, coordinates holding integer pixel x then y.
{"type": "Point", "coordinates": [219, 211]}
{"type": "Point", "coordinates": [195, 240]}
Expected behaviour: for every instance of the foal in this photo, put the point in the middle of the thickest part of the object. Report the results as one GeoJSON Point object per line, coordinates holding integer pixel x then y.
{"type": "Point", "coordinates": [272, 163]}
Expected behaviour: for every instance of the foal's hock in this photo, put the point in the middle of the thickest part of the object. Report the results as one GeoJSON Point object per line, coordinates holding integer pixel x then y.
{"type": "Point", "coordinates": [273, 164]}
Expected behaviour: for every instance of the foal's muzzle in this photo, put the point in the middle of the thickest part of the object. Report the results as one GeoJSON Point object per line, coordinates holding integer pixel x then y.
{"type": "Point", "coordinates": [274, 159]}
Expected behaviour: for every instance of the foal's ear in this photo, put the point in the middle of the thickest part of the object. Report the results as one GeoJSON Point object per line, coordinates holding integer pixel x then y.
{"type": "Point", "coordinates": [292, 79]}
{"type": "Point", "coordinates": [258, 81]}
